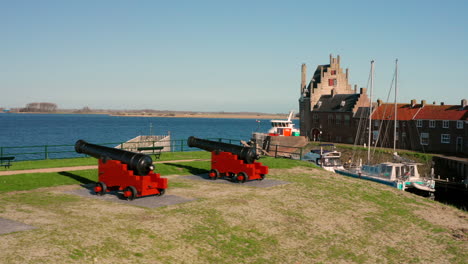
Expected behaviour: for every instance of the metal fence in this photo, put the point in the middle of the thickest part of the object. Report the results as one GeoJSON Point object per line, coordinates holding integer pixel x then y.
{"type": "Point", "coordinates": [293, 153]}
{"type": "Point", "coordinates": [43, 152]}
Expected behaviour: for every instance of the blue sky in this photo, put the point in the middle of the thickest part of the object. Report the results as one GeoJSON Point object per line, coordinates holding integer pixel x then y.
{"type": "Point", "coordinates": [224, 55]}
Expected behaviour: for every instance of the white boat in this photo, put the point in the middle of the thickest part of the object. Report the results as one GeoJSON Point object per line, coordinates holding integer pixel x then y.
{"type": "Point", "coordinates": [401, 175]}
{"type": "Point", "coordinates": [329, 160]}
{"type": "Point", "coordinates": [283, 127]}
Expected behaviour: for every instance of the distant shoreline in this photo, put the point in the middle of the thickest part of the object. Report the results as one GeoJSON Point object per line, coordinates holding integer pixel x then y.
{"type": "Point", "coordinates": [177, 115]}
{"type": "Point", "coordinates": [206, 115]}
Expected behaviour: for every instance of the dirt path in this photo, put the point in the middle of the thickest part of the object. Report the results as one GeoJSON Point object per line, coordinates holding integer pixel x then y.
{"type": "Point", "coordinates": [75, 168]}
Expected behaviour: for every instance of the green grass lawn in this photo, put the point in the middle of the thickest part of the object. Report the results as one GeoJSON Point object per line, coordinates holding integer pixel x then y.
{"type": "Point", "coordinates": [29, 181]}
{"type": "Point", "coordinates": [58, 163]}
{"type": "Point", "coordinates": [317, 217]}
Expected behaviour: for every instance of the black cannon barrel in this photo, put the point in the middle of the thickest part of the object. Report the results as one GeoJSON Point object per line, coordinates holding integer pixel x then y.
{"type": "Point", "coordinates": [141, 164]}
{"type": "Point", "coordinates": [247, 154]}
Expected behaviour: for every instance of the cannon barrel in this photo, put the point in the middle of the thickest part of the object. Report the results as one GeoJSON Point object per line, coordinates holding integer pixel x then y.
{"type": "Point", "coordinates": [140, 164]}
{"type": "Point", "coordinates": [247, 154]}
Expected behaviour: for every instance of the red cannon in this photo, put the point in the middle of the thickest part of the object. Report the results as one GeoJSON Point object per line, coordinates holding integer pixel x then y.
{"type": "Point", "coordinates": [124, 170]}
{"type": "Point", "coordinates": [232, 161]}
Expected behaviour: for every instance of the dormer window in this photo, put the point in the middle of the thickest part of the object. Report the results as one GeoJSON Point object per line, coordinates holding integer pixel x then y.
{"type": "Point", "coordinates": [342, 104]}
{"type": "Point", "coordinates": [319, 103]}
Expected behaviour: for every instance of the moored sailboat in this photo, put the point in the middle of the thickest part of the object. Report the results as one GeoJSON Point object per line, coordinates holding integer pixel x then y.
{"type": "Point", "coordinates": [403, 175]}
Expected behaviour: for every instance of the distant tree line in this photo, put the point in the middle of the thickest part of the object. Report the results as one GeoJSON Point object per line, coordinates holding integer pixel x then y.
{"type": "Point", "coordinates": [39, 107]}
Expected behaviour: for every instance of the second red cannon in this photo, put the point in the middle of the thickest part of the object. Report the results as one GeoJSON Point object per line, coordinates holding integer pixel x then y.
{"type": "Point", "coordinates": [232, 161]}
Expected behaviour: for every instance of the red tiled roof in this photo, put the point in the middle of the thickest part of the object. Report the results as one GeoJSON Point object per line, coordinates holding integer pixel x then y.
{"type": "Point", "coordinates": [443, 112]}
{"type": "Point", "coordinates": [428, 112]}
{"type": "Point", "coordinates": [387, 111]}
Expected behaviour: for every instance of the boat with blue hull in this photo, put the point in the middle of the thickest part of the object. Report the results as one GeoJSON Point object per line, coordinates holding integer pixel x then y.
{"type": "Point", "coordinates": [403, 176]}
{"type": "Point", "coordinates": [328, 158]}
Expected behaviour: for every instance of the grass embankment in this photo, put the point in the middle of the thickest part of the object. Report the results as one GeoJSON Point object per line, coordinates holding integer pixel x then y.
{"type": "Point", "coordinates": [58, 163]}
{"type": "Point", "coordinates": [319, 217]}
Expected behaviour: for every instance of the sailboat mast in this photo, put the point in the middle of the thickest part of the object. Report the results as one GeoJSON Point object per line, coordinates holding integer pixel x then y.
{"type": "Point", "coordinates": [396, 118]}
{"type": "Point", "coordinates": [370, 111]}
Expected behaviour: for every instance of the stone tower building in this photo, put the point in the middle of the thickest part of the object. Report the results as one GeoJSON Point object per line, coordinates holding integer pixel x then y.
{"type": "Point", "coordinates": [328, 81]}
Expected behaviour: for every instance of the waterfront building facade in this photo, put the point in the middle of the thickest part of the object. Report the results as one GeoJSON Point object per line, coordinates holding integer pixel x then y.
{"type": "Point", "coordinates": [423, 127]}
{"type": "Point", "coordinates": [329, 110]}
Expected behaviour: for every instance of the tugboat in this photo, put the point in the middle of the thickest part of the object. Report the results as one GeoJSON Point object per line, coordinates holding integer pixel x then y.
{"type": "Point", "coordinates": [282, 139]}
{"type": "Point", "coordinates": [283, 127]}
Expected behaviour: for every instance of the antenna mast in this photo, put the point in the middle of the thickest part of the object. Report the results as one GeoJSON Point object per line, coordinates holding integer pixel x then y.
{"type": "Point", "coordinates": [396, 118]}
{"type": "Point", "coordinates": [370, 111]}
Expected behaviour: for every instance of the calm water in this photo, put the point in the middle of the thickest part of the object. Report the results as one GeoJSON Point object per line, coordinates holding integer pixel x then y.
{"type": "Point", "coordinates": [61, 129]}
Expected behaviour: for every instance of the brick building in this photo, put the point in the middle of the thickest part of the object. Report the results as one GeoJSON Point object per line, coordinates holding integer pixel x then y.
{"type": "Point", "coordinates": [423, 127]}
{"type": "Point", "coordinates": [329, 109]}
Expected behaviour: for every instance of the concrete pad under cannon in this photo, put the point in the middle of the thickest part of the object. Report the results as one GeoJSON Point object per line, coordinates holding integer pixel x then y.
{"type": "Point", "coordinates": [10, 226]}
{"type": "Point", "coordinates": [146, 201]}
{"type": "Point", "coordinates": [259, 184]}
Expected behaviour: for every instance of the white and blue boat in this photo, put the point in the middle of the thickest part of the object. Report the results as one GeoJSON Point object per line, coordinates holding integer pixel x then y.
{"type": "Point", "coordinates": [329, 159]}
{"type": "Point", "coordinates": [401, 175]}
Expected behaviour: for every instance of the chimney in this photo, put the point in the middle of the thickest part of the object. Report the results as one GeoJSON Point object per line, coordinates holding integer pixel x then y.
{"type": "Point", "coordinates": [363, 90]}
{"type": "Point", "coordinates": [355, 88]}
{"type": "Point", "coordinates": [423, 103]}
{"type": "Point", "coordinates": [413, 103]}
{"type": "Point", "coordinates": [347, 73]}
{"type": "Point", "coordinates": [331, 59]}
{"type": "Point", "coordinates": [303, 77]}
{"type": "Point", "coordinates": [338, 60]}
{"type": "Point", "coordinates": [464, 103]}
{"type": "Point", "coordinates": [379, 102]}
{"type": "Point", "coordinates": [434, 102]}
{"type": "Point", "coordinates": [442, 103]}
{"type": "Point", "coordinates": [321, 70]}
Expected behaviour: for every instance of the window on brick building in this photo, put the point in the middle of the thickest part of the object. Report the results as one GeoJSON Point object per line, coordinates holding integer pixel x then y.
{"type": "Point", "coordinates": [432, 123]}
{"type": "Point", "coordinates": [445, 124]}
{"type": "Point", "coordinates": [419, 123]}
{"type": "Point", "coordinates": [346, 120]}
{"type": "Point", "coordinates": [330, 119]}
{"type": "Point", "coordinates": [424, 137]}
{"type": "Point", "coordinates": [445, 138]}
{"type": "Point", "coordinates": [338, 120]}
{"type": "Point", "coordinates": [332, 82]}
{"type": "Point", "coordinates": [333, 72]}
{"type": "Point", "coordinates": [459, 124]}
{"type": "Point", "coordinates": [376, 123]}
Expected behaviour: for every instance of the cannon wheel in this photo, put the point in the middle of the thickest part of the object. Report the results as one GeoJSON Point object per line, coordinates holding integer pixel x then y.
{"type": "Point", "coordinates": [130, 193]}
{"type": "Point", "coordinates": [262, 177]}
{"type": "Point", "coordinates": [241, 177]}
{"type": "Point", "coordinates": [100, 188]}
{"type": "Point", "coordinates": [161, 192]}
{"type": "Point", "coordinates": [215, 172]}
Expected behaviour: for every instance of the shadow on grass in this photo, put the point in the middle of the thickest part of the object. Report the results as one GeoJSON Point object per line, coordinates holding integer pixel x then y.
{"type": "Point", "coordinates": [190, 169]}
{"type": "Point", "coordinates": [78, 178]}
